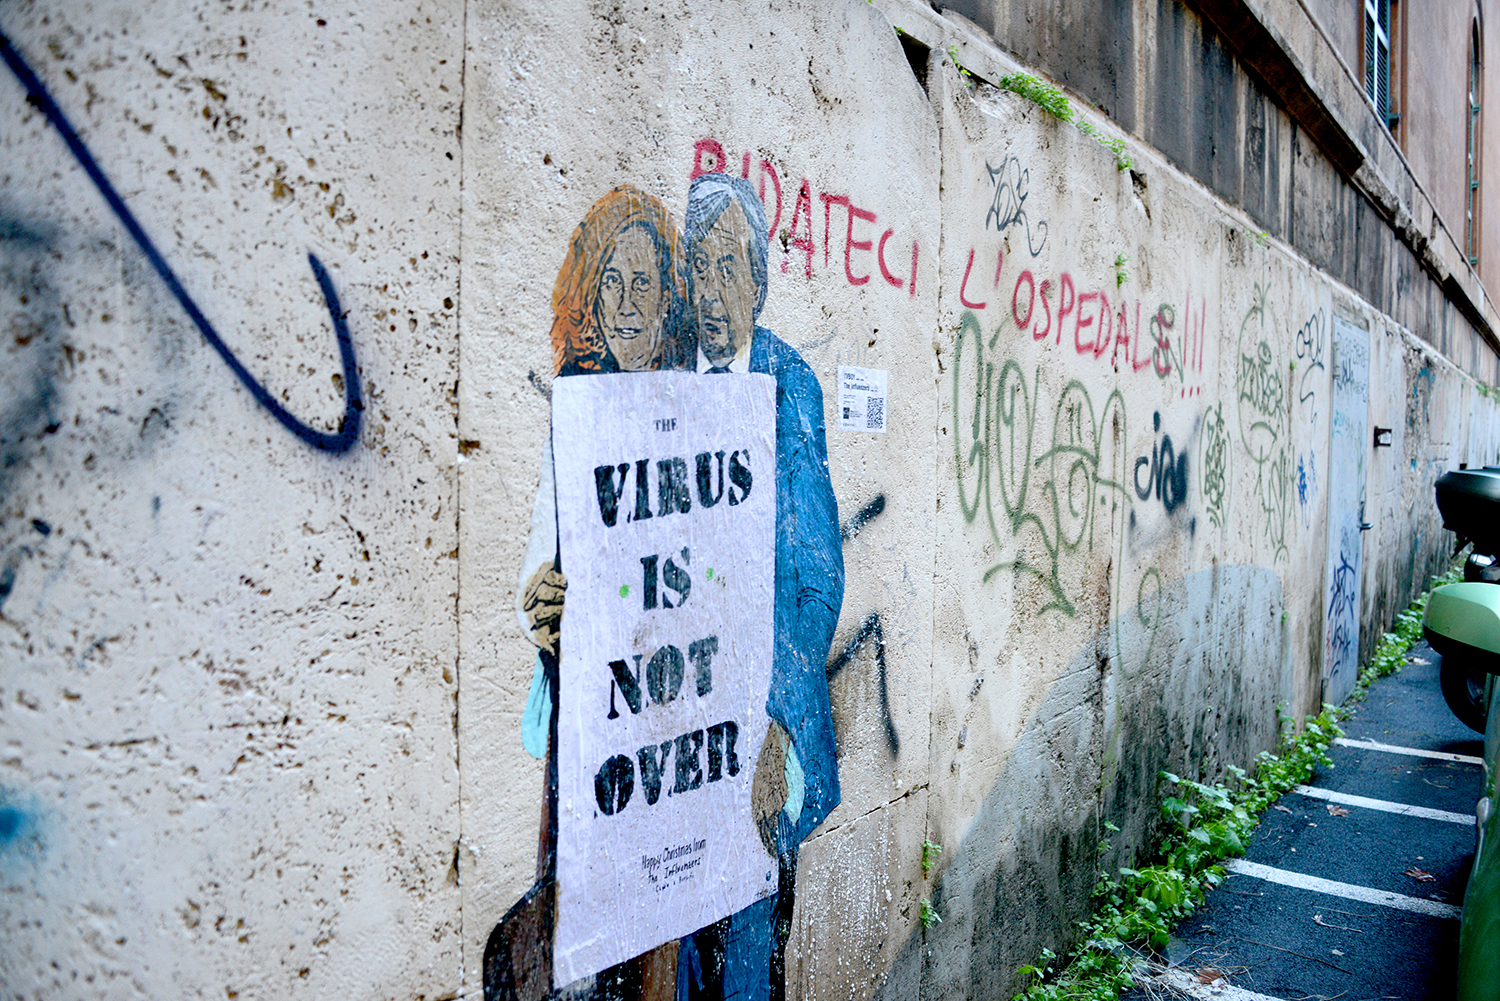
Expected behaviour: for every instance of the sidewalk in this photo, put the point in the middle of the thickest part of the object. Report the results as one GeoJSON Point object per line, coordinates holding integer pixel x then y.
{"type": "Point", "coordinates": [1350, 887]}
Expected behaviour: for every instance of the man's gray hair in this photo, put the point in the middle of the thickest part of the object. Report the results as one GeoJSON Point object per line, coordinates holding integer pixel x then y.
{"type": "Point", "coordinates": [708, 197]}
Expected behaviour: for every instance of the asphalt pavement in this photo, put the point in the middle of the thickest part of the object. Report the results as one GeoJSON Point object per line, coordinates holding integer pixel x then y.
{"type": "Point", "coordinates": [1351, 886]}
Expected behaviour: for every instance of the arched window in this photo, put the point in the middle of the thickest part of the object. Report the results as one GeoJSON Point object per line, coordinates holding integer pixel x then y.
{"type": "Point", "coordinates": [1471, 208]}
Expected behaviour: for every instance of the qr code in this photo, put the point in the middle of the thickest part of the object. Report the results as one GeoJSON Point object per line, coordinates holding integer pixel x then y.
{"type": "Point", "coordinates": [874, 413]}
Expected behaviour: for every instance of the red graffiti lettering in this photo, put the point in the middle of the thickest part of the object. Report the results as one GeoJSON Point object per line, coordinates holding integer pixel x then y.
{"type": "Point", "coordinates": [802, 243]}
{"type": "Point", "coordinates": [1079, 323]}
{"type": "Point", "coordinates": [885, 272]}
{"type": "Point", "coordinates": [963, 288]}
{"type": "Point", "coordinates": [829, 201]}
{"type": "Point", "coordinates": [851, 244]}
{"type": "Point", "coordinates": [1135, 350]}
{"type": "Point", "coordinates": [713, 149]}
{"type": "Point", "coordinates": [1040, 334]}
{"type": "Point", "coordinates": [1064, 290]}
{"type": "Point", "coordinates": [1104, 334]}
{"type": "Point", "coordinates": [1030, 280]}
{"type": "Point", "coordinates": [710, 157]}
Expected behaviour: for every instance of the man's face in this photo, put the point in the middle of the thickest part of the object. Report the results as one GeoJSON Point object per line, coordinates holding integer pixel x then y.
{"type": "Point", "coordinates": [631, 301]}
{"type": "Point", "coordinates": [723, 291]}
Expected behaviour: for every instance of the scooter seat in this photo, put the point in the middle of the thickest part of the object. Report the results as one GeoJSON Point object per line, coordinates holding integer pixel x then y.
{"type": "Point", "coordinates": [1463, 621]}
{"type": "Point", "coordinates": [1469, 501]}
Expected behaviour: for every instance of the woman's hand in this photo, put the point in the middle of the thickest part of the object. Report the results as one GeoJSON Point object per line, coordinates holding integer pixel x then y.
{"type": "Point", "coordinates": [543, 604]}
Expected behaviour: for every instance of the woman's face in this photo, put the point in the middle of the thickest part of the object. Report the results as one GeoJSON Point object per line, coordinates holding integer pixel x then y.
{"type": "Point", "coordinates": [631, 301]}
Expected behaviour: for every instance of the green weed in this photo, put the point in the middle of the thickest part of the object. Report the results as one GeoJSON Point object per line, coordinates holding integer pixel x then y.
{"type": "Point", "coordinates": [1053, 101]}
{"type": "Point", "coordinates": [930, 851]}
{"type": "Point", "coordinates": [1390, 652]}
{"type": "Point", "coordinates": [1206, 824]}
{"type": "Point", "coordinates": [968, 77]}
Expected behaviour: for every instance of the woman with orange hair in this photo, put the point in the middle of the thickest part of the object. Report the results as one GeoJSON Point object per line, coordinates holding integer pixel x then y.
{"type": "Point", "coordinates": [616, 307]}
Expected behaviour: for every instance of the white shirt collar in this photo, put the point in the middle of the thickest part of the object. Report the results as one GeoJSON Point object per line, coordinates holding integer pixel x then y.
{"type": "Point", "coordinates": [739, 364]}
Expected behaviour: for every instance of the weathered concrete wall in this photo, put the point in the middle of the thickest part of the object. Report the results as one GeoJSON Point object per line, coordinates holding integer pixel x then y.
{"type": "Point", "coordinates": [266, 699]}
{"type": "Point", "coordinates": [227, 657]}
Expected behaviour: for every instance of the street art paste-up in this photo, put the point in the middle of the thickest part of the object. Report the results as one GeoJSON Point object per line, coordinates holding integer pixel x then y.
{"type": "Point", "coordinates": [672, 589]}
{"type": "Point", "coordinates": [602, 311]}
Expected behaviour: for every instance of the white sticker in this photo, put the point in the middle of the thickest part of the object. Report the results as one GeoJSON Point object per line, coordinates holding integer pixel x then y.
{"type": "Point", "coordinates": [861, 399]}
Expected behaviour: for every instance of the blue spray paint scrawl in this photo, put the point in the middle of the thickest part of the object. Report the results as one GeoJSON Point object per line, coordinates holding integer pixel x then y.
{"type": "Point", "coordinates": [348, 433]}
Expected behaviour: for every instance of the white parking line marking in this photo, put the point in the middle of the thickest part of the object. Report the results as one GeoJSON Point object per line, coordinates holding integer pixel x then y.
{"type": "Point", "coordinates": [1415, 752]}
{"type": "Point", "coordinates": [1406, 810]}
{"type": "Point", "coordinates": [1348, 891]}
{"type": "Point", "coordinates": [1191, 986]}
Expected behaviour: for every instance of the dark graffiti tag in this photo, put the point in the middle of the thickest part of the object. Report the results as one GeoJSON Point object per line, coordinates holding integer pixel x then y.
{"type": "Point", "coordinates": [1166, 471]}
{"type": "Point", "coordinates": [862, 517]}
{"type": "Point", "coordinates": [337, 441]}
{"type": "Point", "coordinates": [1343, 613]}
{"type": "Point", "coordinates": [870, 631]}
{"type": "Point", "coordinates": [1008, 207]}
{"type": "Point", "coordinates": [1259, 384]}
{"type": "Point", "coordinates": [1312, 345]}
{"type": "Point", "coordinates": [1055, 491]}
{"type": "Point", "coordinates": [1184, 356]}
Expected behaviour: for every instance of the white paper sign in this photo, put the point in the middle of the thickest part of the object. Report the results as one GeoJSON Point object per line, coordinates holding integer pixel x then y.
{"type": "Point", "coordinates": [861, 399]}
{"type": "Point", "coordinates": [666, 511]}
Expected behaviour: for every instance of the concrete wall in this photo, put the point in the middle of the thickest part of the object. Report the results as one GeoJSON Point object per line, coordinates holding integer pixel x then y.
{"type": "Point", "coordinates": [263, 687]}
{"type": "Point", "coordinates": [229, 659]}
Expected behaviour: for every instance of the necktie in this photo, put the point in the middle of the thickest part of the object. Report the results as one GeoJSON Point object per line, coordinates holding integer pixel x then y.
{"type": "Point", "coordinates": [715, 369]}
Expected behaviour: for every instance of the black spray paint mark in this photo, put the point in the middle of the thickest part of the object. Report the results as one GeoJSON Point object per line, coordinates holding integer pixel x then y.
{"type": "Point", "coordinates": [30, 376]}
{"type": "Point", "coordinates": [871, 631]}
{"type": "Point", "coordinates": [1166, 471]}
{"type": "Point", "coordinates": [1008, 208]}
{"type": "Point", "coordinates": [348, 433]}
{"type": "Point", "coordinates": [538, 385]}
{"type": "Point", "coordinates": [863, 517]}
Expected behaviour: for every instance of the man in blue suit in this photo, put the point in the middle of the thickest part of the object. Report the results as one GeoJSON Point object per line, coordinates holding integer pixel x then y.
{"type": "Point", "coordinates": [796, 782]}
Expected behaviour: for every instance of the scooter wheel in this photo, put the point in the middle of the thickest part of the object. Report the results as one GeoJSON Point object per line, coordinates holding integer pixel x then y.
{"type": "Point", "coordinates": [1463, 689]}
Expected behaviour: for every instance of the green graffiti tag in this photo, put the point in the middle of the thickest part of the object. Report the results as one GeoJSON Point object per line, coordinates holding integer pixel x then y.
{"type": "Point", "coordinates": [1263, 406]}
{"type": "Point", "coordinates": [1056, 492]}
{"type": "Point", "coordinates": [1215, 466]}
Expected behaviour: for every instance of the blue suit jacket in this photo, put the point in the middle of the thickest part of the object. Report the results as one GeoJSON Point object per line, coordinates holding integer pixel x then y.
{"type": "Point", "coordinates": [809, 578]}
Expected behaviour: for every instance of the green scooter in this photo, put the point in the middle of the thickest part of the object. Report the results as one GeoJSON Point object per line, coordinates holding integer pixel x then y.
{"type": "Point", "coordinates": [1463, 620]}
{"type": "Point", "coordinates": [1463, 625]}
